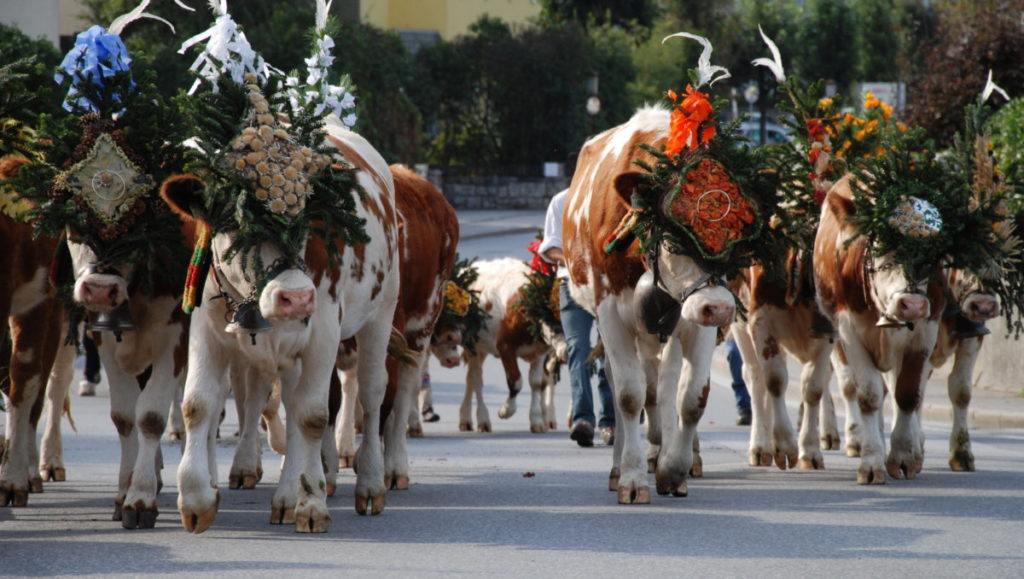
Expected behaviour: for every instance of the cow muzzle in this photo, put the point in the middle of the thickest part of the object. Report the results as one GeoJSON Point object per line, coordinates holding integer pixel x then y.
{"type": "Point", "coordinates": [980, 307]}
{"type": "Point", "coordinates": [100, 291]}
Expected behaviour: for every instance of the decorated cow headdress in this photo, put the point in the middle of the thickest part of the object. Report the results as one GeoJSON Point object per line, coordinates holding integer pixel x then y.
{"type": "Point", "coordinates": [259, 136]}
{"type": "Point", "coordinates": [707, 195]}
{"type": "Point", "coordinates": [99, 165]}
{"type": "Point", "coordinates": [462, 304]}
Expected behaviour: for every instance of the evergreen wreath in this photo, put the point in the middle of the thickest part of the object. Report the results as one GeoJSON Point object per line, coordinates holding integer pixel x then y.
{"type": "Point", "coordinates": [269, 174]}
{"type": "Point", "coordinates": [462, 309]}
{"type": "Point", "coordinates": [708, 195]}
{"type": "Point", "coordinates": [97, 168]}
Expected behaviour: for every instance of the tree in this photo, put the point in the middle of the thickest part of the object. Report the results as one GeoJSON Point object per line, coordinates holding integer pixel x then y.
{"type": "Point", "coordinates": [34, 61]}
{"type": "Point", "coordinates": [878, 40]}
{"type": "Point", "coordinates": [600, 12]}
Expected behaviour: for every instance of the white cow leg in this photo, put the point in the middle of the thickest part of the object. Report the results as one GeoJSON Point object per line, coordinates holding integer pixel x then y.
{"type": "Point", "coordinates": [854, 427]}
{"type": "Point", "coordinates": [176, 423]}
{"type": "Point", "coordinates": [421, 399]}
{"type": "Point", "coordinates": [776, 379]}
{"type": "Point", "coordinates": [961, 458]}
{"type": "Point", "coordinates": [551, 370]}
{"type": "Point", "coordinates": [139, 508]}
{"type": "Point", "coordinates": [370, 493]}
{"type": "Point", "coordinates": [17, 462]}
{"type": "Point", "coordinates": [829, 426]}
{"type": "Point", "coordinates": [855, 363]}
{"type": "Point", "coordinates": [474, 384]}
{"type": "Point", "coordinates": [814, 379]}
{"type": "Point", "coordinates": [693, 387]}
{"type": "Point", "coordinates": [537, 386]}
{"type": "Point", "coordinates": [345, 430]}
{"type": "Point", "coordinates": [906, 452]}
{"type": "Point", "coordinates": [124, 396]}
{"type": "Point", "coordinates": [51, 455]}
{"type": "Point", "coordinates": [621, 352]}
{"type": "Point", "coordinates": [760, 451]}
{"type": "Point", "coordinates": [396, 458]}
{"type": "Point", "coordinates": [251, 394]}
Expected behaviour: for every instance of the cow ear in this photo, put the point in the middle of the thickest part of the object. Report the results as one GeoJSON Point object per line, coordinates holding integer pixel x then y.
{"type": "Point", "coordinates": [840, 203]}
{"type": "Point", "coordinates": [184, 193]}
{"type": "Point", "coordinates": [626, 184]}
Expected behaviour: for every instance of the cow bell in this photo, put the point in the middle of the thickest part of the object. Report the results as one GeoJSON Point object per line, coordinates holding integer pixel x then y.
{"type": "Point", "coordinates": [964, 328]}
{"type": "Point", "coordinates": [117, 320]}
{"type": "Point", "coordinates": [658, 310]}
{"type": "Point", "coordinates": [248, 319]}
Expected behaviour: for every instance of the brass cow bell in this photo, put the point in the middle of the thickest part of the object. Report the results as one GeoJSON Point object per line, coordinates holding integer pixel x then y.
{"type": "Point", "coordinates": [117, 320]}
{"type": "Point", "coordinates": [964, 328]}
{"type": "Point", "coordinates": [248, 319]}
{"type": "Point", "coordinates": [658, 310]}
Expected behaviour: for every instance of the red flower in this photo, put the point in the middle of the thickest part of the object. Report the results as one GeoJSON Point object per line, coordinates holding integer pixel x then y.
{"type": "Point", "coordinates": [537, 263]}
{"type": "Point", "coordinates": [685, 126]}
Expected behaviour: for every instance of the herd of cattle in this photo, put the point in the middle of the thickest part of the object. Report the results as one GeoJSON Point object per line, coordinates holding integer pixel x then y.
{"type": "Point", "coordinates": [352, 336]}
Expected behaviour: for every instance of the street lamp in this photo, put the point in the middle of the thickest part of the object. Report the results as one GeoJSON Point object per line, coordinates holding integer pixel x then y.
{"type": "Point", "coordinates": [593, 102]}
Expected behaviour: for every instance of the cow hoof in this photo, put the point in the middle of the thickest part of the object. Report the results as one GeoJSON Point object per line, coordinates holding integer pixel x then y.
{"type": "Point", "coordinates": [484, 427]}
{"type": "Point", "coordinates": [853, 449]}
{"type": "Point", "coordinates": [176, 436]}
{"type": "Point", "coordinates": [282, 516]}
{"type": "Point", "coordinates": [537, 428]}
{"type": "Point", "coordinates": [311, 520]}
{"type": "Point", "coordinates": [697, 468]}
{"type": "Point", "coordinates": [830, 441]}
{"type": "Point", "coordinates": [906, 468]}
{"type": "Point", "coordinates": [347, 461]}
{"type": "Point", "coordinates": [197, 522]}
{"type": "Point", "coordinates": [506, 411]}
{"type": "Point", "coordinates": [414, 431]}
{"type": "Point", "coordinates": [613, 479]}
{"type": "Point", "coordinates": [870, 476]}
{"type": "Point", "coordinates": [374, 505]}
{"type": "Point", "coordinates": [961, 461]}
{"type": "Point", "coordinates": [764, 459]}
{"type": "Point", "coordinates": [118, 510]}
{"type": "Point", "coordinates": [35, 485]}
{"type": "Point", "coordinates": [332, 488]}
{"type": "Point", "coordinates": [652, 464]}
{"type": "Point", "coordinates": [234, 482]}
{"type": "Point", "coordinates": [785, 460]}
{"type": "Point", "coordinates": [552, 425]}
{"type": "Point", "coordinates": [397, 482]}
{"type": "Point", "coordinates": [811, 463]}
{"type": "Point", "coordinates": [13, 497]}
{"type": "Point", "coordinates": [640, 495]}
{"type": "Point", "coordinates": [53, 473]}
{"type": "Point", "coordinates": [466, 426]}
{"type": "Point", "coordinates": [665, 485]}
{"type": "Point", "coordinates": [139, 516]}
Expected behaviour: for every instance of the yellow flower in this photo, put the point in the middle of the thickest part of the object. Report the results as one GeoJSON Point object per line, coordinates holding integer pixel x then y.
{"type": "Point", "coordinates": [825, 103]}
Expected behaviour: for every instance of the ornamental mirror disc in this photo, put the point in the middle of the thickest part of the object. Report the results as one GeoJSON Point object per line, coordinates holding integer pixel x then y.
{"type": "Point", "coordinates": [107, 180]}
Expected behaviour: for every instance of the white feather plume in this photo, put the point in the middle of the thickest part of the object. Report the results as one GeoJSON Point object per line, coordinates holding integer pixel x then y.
{"type": "Point", "coordinates": [117, 26]}
{"type": "Point", "coordinates": [705, 70]}
{"type": "Point", "coordinates": [322, 9]}
{"type": "Point", "coordinates": [991, 87]}
{"type": "Point", "coordinates": [774, 63]}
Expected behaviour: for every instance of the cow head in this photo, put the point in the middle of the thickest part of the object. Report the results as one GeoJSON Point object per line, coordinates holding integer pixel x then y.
{"type": "Point", "coordinates": [262, 282]}
{"type": "Point", "coordinates": [446, 344]}
{"type": "Point", "coordinates": [675, 286]}
{"type": "Point", "coordinates": [100, 286]}
{"type": "Point", "coordinates": [971, 296]}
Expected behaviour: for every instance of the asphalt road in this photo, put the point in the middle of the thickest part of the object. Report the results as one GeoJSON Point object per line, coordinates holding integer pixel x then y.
{"type": "Point", "coordinates": [515, 504]}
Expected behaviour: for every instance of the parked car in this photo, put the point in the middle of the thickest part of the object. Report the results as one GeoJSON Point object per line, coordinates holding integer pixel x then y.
{"type": "Point", "coordinates": [776, 133]}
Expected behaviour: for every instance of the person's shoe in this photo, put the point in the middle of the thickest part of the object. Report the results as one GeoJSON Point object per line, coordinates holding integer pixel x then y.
{"type": "Point", "coordinates": [430, 416]}
{"type": "Point", "coordinates": [86, 388]}
{"type": "Point", "coordinates": [608, 435]}
{"type": "Point", "coordinates": [744, 416]}
{"type": "Point", "coordinates": [583, 433]}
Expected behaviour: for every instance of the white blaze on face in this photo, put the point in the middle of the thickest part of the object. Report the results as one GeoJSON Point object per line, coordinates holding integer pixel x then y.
{"type": "Point", "coordinates": [711, 305]}
{"type": "Point", "coordinates": [291, 295]}
{"type": "Point", "coordinates": [977, 304]}
{"type": "Point", "coordinates": [98, 292]}
{"type": "Point", "coordinates": [894, 296]}
{"type": "Point", "coordinates": [446, 347]}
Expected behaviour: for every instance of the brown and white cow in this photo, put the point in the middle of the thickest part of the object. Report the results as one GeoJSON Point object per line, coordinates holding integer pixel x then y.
{"type": "Point", "coordinates": [604, 284]}
{"type": "Point", "coordinates": [32, 315]}
{"type": "Point", "coordinates": [886, 331]}
{"type": "Point", "coordinates": [311, 314]}
{"type": "Point", "coordinates": [774, 326]}
{"type": "Point", "coordinates": [506, 335]}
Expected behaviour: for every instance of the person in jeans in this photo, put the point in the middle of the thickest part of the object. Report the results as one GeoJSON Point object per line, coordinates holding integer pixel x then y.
{"type": "Point", "coordinates": [739, 387]}
{"type": "Point", "coordinates": [577, 323]}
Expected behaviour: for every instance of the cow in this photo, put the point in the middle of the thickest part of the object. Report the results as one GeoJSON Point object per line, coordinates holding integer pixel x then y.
{"type": "Point", "coordinates": [428, 236]}
{"type": "Point", "coordinates": [605, 284]}
{"type": "Point", "coordinates": [781, 320]}
{"type": "Point", "coordinates": [311, 313]}
{"type": "Point", "coordinates": [506, 335]}
{"type": "Point", "coordinates": [886, 332]}
{"type": "Point", "coordinates": [33, 317]}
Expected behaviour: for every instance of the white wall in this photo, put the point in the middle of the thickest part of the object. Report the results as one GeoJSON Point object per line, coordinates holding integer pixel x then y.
{"type": "Point", "coordinates": [36, 18]}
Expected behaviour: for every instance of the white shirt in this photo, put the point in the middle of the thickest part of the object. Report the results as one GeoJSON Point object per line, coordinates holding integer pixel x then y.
{"type": "Point", "coordinates": [553, 229]}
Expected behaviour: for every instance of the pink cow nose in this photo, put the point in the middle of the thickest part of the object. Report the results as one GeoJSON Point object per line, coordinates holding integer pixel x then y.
{"type": "Point", "coordinates": [100, 294]}
{"type": "Point", "coordinates": [717, 314]}
{"type": "Point", "coordinates": [984, 309]}
{"type": "Point", "coordinates": [912, 307]}
{"type": "Point", "coordinates": [450, 362]}
{"type": "Point", "coordinates": [295, 303]}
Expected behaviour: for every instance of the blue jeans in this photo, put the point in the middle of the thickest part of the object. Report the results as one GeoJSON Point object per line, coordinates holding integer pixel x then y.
{"type": "Point", "coordinates": [577, 322]}
{"type": "Point", "coordinates": [739, 387]}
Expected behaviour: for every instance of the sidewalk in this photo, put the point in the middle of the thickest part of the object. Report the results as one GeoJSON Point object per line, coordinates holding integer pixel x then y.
{"type": "Point", "coordinates": [989, 408]}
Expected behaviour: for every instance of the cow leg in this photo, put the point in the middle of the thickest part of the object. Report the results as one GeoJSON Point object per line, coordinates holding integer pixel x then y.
{"type": "Point", "coordinates": [271, 421]}
{"type": "Point", "coordinates": [906, 452]}
{"type": "Point", "coordinates": [396, 458]}
{"type": "Point", "coordinates": [814, 380]}
{"type": "Point", "coordinates": [513, 380]}
{"type": "Point", "coordinates": [870, 394]}
{"type": "Point", "coordinates": [776, 379]}
{"type": "Point", "coordinates": [551, 369]}
{"type": "Point", "coordinates": [474, 388]}
{"type": "Point", "coordinates": [538, 384]}
{"type": "Point", "coordinates": [651, 413]}
{"type": "Point", "coordinates": [51, 462]}
{"type": "Point", "coordinates": [205, 393]}
{"type": "Point", "coordinates": [854, 427]}
{"type": "Point", "coordinates": [829, 426]}
{"type": "Point", "coordinates": [346, 427]}
{"type": "Point", "coordinates": [176, 421]}
{"type": "Point", "coordinates": [251, 394]}
{"type": "Point", "coordinates": [760, 452]}
{"type": "Point", "coordinates": [621, 352]}
{"type": "Point", "coordinates": [370, 491]}
{"type": "Point", "coordinates": [328, 444]}
{"type": "Point", "coordinates": [961, 458]}
{"type": "Point", "coordinates": [124, 396]}
{"type": "Point", "coordinates": [140, 510]}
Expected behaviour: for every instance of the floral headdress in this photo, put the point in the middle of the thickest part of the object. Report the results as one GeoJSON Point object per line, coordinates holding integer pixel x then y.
{"type": "Point", "coordinates": [923, 211]}
{"type": "Point", "coordinates": [707, 196]}
{"type": "Point", "coordinates": [99, 165]}
{"type": "Point", "coordinates": [539, 300]}
{"type": "Point", "coordinates": [462, 304]}
{"type": "Point", "coordinates": [267, 173]}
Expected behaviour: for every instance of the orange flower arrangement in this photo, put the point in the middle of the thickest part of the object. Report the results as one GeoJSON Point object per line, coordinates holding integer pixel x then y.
{"type": "Point", "coordinates": [688, 115]}
{"type": "Point", "coordinates": [710, 203]}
